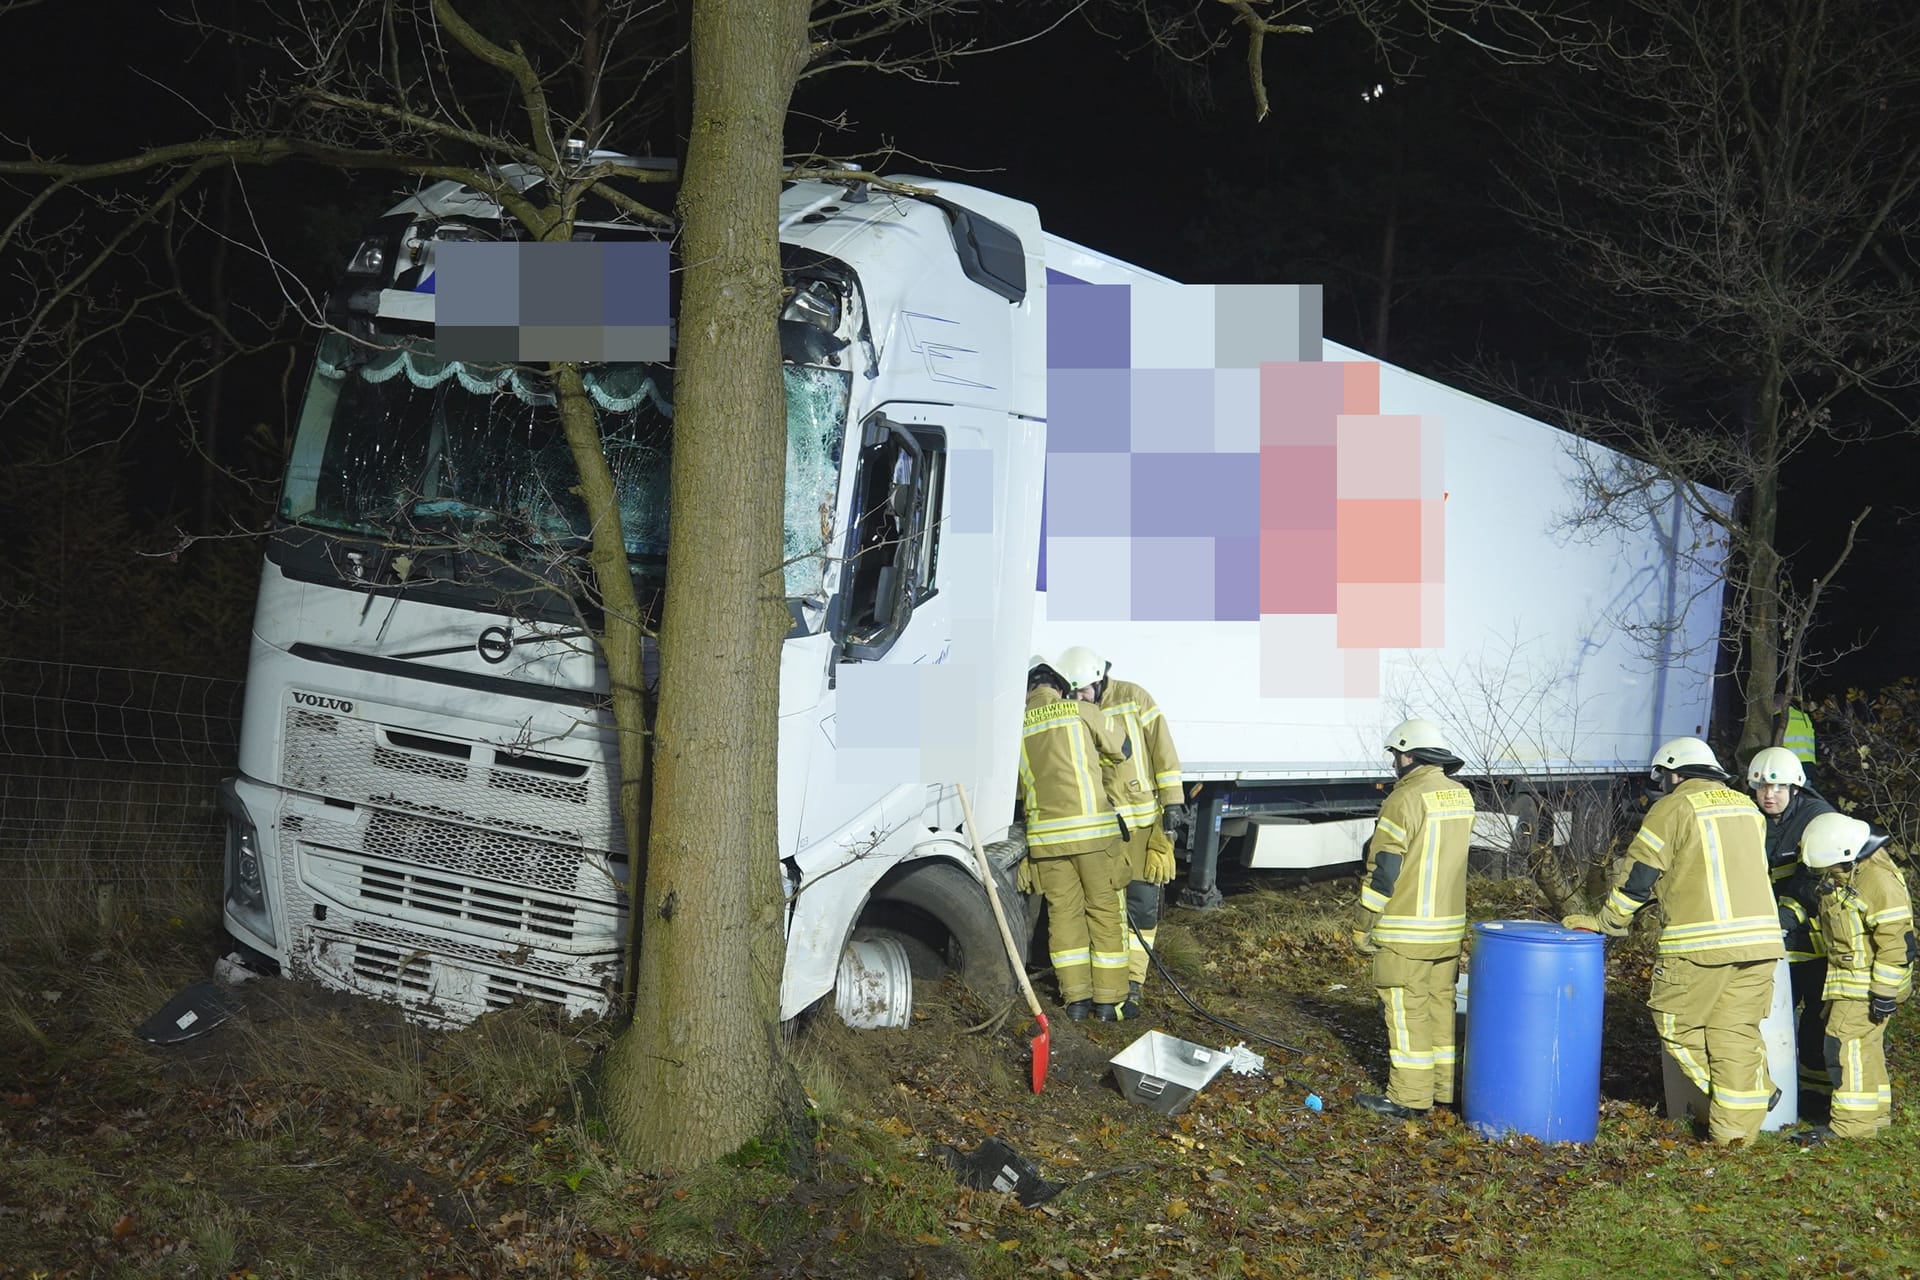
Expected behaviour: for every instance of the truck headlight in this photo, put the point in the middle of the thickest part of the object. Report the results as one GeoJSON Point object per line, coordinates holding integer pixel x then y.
{"type": "Point", "coordinates": [369, 257]}
{"type": "Point", "coordinates": [246, 876]}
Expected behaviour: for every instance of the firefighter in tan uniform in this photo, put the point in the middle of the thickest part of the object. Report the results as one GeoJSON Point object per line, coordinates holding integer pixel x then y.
{"type": "Point", "coordinates": [1067, 756]}
{"type": "Point", "coordinates": [1150, 784]}
{"type": "Point", "coordinates": [1867, 920]}
{"type": "Point", "coordinates": [1703, 845]}
{"type": "Point", "coordinates": [1779, 785]}
{"type": "Point", "coordinates": [1413, 915]}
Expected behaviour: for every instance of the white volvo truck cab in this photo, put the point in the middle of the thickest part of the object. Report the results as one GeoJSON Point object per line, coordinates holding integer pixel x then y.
{"type": "Point", "coordinates": [424, 810]}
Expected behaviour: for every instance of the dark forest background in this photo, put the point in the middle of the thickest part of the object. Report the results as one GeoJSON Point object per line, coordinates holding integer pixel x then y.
{"type": "Point", "coordinates": [129, 498]}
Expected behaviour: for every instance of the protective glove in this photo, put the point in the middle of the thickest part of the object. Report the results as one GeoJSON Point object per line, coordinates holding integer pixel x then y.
{"type": "Point", "coordinates": [1587, 924]}
{"type": "Point", "coordinates": [1023, 878]}
{"type": "Point", "coordinates": [1159, 868]}
{"type": "Point", "coordinates": [1363, 942]}
{"type": "Point", "coordinates": [1880, 1008]}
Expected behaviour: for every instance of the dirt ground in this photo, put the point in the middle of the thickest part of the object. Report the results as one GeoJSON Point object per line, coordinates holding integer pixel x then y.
{"type": "Point", "coordinates": [317, 1135]}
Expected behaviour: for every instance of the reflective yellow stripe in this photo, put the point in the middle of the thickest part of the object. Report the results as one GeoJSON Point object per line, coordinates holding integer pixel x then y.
{"type": "Point", "coordinates": [1847, 984]}
{"type": "Point", "coordinates": [1623, 904]}
{"type": "Point", "coordinates": [1400, 1050]}
{"type": "Point", "coordinates": [1741, 1099]}
{"type": "Point", "coordinates": [1716, 928]}
{"type": "Point", "coordinates": [1054, 831]}
{"type": "Point", "coordinates": [1417, 928]}
{"type": "Point", "coordinates": [1754, 938]}
{"type": "Point", "coordinates": [1694, 1069]}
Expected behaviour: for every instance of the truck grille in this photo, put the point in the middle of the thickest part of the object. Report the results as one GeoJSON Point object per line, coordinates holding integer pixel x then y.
{"type": "Point", "coordinates": [450, 984]}
{"type": "Point", "coordinates": [507, 913]}
{"type": "Point", "coordinates": [538, 795]}
{"type": "Point", "coordinates": [465, 875]}
{"type": "Point", "coordinates": [472, 851]}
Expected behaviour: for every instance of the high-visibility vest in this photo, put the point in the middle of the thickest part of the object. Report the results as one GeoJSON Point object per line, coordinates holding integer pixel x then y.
{"type": "Point", "coordinates": [1799, 739]}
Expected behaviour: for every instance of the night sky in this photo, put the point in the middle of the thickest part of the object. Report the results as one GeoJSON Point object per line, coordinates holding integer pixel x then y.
{"type": "Point", "coordinates": [1120, 152]}
{"type": "Point", "coordinates": [1113, 145]}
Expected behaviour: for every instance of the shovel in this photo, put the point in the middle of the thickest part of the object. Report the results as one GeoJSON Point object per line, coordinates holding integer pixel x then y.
{"type": "Point", "coordinates": [1042, 1043]}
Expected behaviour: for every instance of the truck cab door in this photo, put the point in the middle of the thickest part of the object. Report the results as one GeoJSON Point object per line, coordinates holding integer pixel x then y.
{"type": "Point", "coordinates": [890, 608]}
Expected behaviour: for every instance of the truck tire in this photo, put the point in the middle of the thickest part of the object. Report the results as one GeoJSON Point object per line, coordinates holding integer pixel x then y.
{"type": "Point", "coordinates": [941, 914]}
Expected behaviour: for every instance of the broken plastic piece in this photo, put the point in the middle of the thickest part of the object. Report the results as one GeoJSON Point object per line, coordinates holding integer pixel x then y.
{"type": "Point", "coordinates": [196, 1010]}
{"type": "Point", "coordinates": [1244, 1061]}
{"type": "Point", "coordinates": [998, 1167]}
{"type": "Point", "coordinates": [232, 970]}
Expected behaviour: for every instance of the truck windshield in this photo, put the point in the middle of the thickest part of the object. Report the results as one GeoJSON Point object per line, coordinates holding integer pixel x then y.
{"type": "Point", "coordinates": [396, 443]}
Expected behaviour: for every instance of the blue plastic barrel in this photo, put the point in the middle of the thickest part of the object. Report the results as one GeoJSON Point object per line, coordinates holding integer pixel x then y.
{"type": "Point", "coordinates": [1533, 1031]}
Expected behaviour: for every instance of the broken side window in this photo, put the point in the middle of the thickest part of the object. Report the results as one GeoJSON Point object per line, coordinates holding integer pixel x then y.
{"type": "Point", "coordinates": [893, 550]}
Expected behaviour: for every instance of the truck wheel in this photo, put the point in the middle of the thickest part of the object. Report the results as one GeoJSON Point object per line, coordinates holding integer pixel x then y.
{"type": "Point", "coordinates": [941, 913]}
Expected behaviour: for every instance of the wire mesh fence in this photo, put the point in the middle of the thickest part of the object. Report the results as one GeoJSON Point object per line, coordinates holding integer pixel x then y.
{"type": "Point", "coordinates": [110, 775]}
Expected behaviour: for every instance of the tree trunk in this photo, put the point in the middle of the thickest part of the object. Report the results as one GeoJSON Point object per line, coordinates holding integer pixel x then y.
{"type": "Point", "coordinates": [1762, 568]}
{"type": "Point", "coordinates": [622, 635]}
{"type": "Point", "coordinates": [700, 1070]}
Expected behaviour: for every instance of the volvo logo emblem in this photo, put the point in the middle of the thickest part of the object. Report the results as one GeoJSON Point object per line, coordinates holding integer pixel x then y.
{"type": "Point", "coordinates": [344, 705]}
{"type": "Point", "coordinates": [494, 644]}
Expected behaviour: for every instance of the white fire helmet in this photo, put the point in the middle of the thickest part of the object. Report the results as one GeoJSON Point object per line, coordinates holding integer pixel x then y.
{"type": "Point", "coordinates": [1685, 753]}
{"type": "Point", "coordinates": [1775, 767]}
{"type": "Point", "coordinates": [1081, 666]}
{"type": "Point", "coordinates": [1415, 735]}
{"type": "Point", "coordinates": [1834, 838]}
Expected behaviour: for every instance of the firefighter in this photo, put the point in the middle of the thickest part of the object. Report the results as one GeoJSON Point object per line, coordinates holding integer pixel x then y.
{"type": "Point", "coordinates": [1867, 919]}
{"type": "Point", "coordinates": [1151, 785]}
{"type": "Point", "coordinates": [1703, 847]}
{"type": "Point", "coordinates": [1779, 785]}
{"type": "Point", "coordinates": [1413, 915]}
{"type": "Point", "coordinates": [1067, 757]}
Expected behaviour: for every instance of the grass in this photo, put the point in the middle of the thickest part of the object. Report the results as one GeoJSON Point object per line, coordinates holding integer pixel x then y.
{"type": "Point", "coordinates": [322, 1137]}
{"type": "Point", "coordinates": [87, 846]}
{"type": "Point", "coordinates": [1843, 1209]}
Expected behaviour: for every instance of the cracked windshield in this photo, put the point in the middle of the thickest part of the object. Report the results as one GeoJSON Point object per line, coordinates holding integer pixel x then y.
{"type": "Point", "coordinates": [394, 440]}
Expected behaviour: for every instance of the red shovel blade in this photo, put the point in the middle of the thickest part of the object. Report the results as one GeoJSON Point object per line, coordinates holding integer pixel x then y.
{"type": "Point", "coordinates": [1042, 1051]}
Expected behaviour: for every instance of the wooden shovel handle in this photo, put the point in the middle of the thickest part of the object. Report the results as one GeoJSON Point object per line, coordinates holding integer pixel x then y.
{"type": "Point", "coordinates": [993, 897]}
